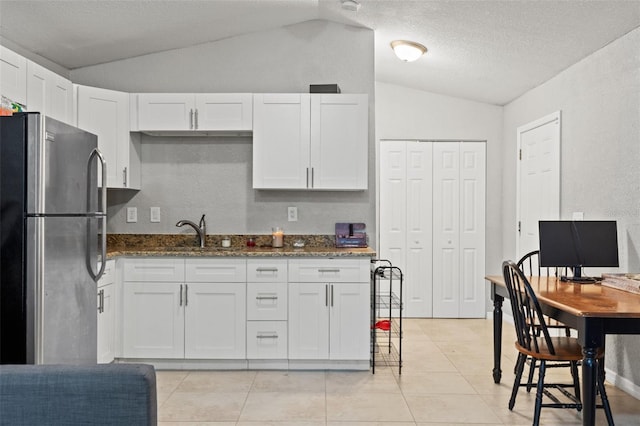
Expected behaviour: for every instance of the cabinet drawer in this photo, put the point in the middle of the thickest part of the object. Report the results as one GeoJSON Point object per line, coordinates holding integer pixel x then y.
{"type": "Point", "coordinates": [109, 276]}
{"type": "Point", "coordinates": [165, 269]}
{"type": "Point", "coordinates": [329, 270]}
{"type": "Point", "coordinates": [266, 270]}
{"type": "Point", "coordinates": [267, 301]}
{"type": "Point", "coordinates": [216, 270]}
{"type": "Point", "coordinates": [267, 340]}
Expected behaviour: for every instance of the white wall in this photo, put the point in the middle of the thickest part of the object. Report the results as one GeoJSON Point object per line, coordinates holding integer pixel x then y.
{"type": "Point", "coordinates": [190, 176]}
{"type": "Point", "coordinates": [404, 113]}
{"type": "Point", "coordinates": [599, 98]}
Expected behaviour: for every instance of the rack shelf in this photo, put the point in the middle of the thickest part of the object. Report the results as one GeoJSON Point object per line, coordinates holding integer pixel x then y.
{"type": "Point", "coordinates": [386, 315]}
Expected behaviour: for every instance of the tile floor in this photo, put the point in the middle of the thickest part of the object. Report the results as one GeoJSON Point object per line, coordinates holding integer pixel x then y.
{"type": "Point", "coordinates": [446, 380]}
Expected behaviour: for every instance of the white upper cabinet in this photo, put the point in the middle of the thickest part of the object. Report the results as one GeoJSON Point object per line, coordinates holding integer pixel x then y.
{"type": "Point", "coordinates": [13, 76]}
{"type": "Point", "coordinates": [105, 113]}
{"type": "Point", "coordinates": [158, 112]}
{"type": "Point", "coordinates": [49, 93]}
{"type": "Point", "coordinates": [310, 141]}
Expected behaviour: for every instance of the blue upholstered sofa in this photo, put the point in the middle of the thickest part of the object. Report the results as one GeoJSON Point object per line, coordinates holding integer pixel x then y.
{"type": "Point", "coordinates": [103, 394]}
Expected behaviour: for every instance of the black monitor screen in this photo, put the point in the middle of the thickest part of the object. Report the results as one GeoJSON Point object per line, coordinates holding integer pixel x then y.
{"type": "Point", "coordinates": [588, 243]}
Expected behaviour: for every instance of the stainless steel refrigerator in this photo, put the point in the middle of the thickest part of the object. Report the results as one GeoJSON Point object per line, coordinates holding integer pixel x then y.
{"type": "Point", "coordinates": [52, 238]}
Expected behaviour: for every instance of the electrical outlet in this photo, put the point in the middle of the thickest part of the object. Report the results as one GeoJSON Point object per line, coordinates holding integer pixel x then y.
{"type": "Point", "coordinates": [132, 214]}
{"type": "Point", "coordinates": [154, 214]}
{"type": "Point", "coordinates": [577, 216]}
{"type": "Point", "coordinates": [292, 214]}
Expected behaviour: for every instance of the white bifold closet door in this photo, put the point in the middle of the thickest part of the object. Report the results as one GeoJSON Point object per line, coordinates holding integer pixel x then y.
{"type": "Point", "coordinates": [432, 224]}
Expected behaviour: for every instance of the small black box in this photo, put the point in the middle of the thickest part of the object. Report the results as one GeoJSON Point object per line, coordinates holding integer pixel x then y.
{"type": "Point", "coordinates": [324, 88]}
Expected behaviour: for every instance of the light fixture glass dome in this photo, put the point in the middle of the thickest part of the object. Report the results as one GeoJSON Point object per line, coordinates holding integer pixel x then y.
{"type": "Point", "coordinates": [408, 51]}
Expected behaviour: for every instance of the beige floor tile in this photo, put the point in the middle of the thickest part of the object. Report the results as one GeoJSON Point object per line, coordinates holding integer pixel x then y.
{"type": "Point", "coordinates": [289, 381]}
{"type": "Point", "coordinates": [371, 424]}
{"type": "Point", "coordinates": [217, 381]}
{"type": "Point", "coordinates": [435, 383]}
{"type": "Point", "coordinates": [280, 423]}
{"type": "Point", "coordinates": [415, 362]}
{"type": "Point", "coordinates": [167, 382]}
{"type": "Point", "coordinates": [202, 406]}
{"type": "Point", "coordinates": [285, 406]}
{"type": "Point", "coordinates": [362, 381]}
{"type": "Point", "coordinates": [196, 423]}
{"type": "Point", "coordinates": [451, 408]}
{"type": "Point", "coordinates": [368, 407]}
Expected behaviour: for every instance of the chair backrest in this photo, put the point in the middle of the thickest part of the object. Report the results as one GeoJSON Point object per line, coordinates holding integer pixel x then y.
{"type": "Point", "coordinates": [529, 264]}
{"type": "Point", "coordinates": [531, 328]}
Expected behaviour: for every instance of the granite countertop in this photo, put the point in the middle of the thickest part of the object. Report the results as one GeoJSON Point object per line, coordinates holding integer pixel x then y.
{"type": "Point", "coordinates": [187, 245]}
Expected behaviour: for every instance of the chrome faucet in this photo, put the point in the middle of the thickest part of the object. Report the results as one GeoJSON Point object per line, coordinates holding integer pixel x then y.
{"type": "Point", "coordinates": [201, 228]}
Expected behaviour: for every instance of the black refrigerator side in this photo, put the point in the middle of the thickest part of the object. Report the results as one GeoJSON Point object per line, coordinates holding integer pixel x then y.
{"type": "Point", "coordinates": [14, 321]}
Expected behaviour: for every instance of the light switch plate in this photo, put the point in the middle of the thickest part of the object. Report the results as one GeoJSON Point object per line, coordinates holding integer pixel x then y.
{"type": "Point", "coordinates": [132, 214]}
{"type": "Point", "coordinates": [292, 214]}
{"type": "Point", "coordinates": [154, 214]}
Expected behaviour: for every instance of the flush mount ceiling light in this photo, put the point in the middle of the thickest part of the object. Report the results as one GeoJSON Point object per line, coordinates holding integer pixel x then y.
{"type": "Point", "coordinates": [408, 51]}
{"type": "Point", "coordinates": [350, 5]}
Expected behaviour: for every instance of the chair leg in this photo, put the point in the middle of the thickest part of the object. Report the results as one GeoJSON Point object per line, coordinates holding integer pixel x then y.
{"type": "Point", "coordinates": [532, 370]}
{"type": "Point", "coordinates": [539, 392]}
{"type": "Point", "coordinates": [576, 382]}
{"type": "Point", "coordinates": [603, 393]}
{"type": "Point", "coordinates": [522, 358]}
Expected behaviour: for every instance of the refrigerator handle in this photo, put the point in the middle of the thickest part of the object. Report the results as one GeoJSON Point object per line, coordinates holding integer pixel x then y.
{"type": "Point", "coordinates": [103, 210]}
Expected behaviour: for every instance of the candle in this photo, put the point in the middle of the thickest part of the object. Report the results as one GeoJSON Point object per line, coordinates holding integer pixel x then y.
{"type": "Point", "coordinates": [277, 235]}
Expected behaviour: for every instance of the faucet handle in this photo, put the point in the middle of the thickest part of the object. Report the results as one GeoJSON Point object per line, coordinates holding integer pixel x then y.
{"type": "Point", "coordinates": [202, 222]}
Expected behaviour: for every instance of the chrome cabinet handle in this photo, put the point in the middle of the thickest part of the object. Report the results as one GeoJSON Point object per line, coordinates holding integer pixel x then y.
{"type": "Point", "coordinates": [266, 297]}
{"type": "Point", "coordinates": [124, 177]}
{"type": "Point", "coordinates": [191, 118]}
{"type": "Point", "coordinates": [195, 126]}
{"type": "Point", "coordinates": [266, 269]}
{"type": "Point", "coordinates": [186, 294]}
{"type": "Point", "coordinates": [101, 301]}
{"type": "Point", "coordinates": [326, 295]}
{"type": "Point", "coordinates": [266, 336]}
{"type": "Point", "coordinates": [321, 270]}
{"type": "Point", "coordinates": [332, 295]}
{"type": "Point", "coordinates": [312, 178]}
{"type": "Point", "coordinates": [307, 177]}
{"type": "Point", "coordinates": [180, 295]}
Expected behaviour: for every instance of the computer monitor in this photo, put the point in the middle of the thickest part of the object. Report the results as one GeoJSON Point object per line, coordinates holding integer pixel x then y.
{"type": "Point", "coordinates": [578, 244]}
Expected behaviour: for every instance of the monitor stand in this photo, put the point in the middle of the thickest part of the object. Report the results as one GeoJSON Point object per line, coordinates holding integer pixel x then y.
{"type": "Point", "coordinates": [578, 278]}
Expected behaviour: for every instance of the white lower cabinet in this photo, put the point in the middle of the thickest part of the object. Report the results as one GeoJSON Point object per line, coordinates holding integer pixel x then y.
{"type": "Point", "coordinates": [177, 308]}
{"type": "Point", "coordinates": [269, 312]}
{"type": "Point", "coordinates": [329, 309]}
{"type": "Point", "coordinates": [106, 314]}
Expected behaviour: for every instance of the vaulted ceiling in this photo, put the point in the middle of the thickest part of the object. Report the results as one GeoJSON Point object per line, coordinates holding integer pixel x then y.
{"type": "Point", "coordinates": [485, 50]}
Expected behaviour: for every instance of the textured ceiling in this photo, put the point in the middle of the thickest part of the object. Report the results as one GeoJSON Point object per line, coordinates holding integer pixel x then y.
{"type": "Point", "coordinates": [485, 50]}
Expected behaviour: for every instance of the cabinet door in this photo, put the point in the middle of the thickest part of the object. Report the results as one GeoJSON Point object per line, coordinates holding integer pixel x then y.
{"type": "Point", "coordinates": [105, 113]}
{"type": "Point", "coordinates": [281, 141]}
{"type": "Point", "coordinates": [60, 99]}
{"type": "Point", "coordinates": [38, 80]}
{"type": "Point", "coordinates": [224, 111]}
{"type": "Point", "coordinates": [13, 75]}
{"type": "Point", "coordinates": [106, 323]}
{"type": "Point", "coordinates": [349, 321]}
{"type": "Point", "coordinates": [166, 111]}
{"type": "Point", "coordinates": [309, 321]}
{"type": "Point", "coordinates": [339, 141]}
{"type": "Point", "coordinates": [215, 320]}
{"type": "Point", "coordinates": [153, 320]}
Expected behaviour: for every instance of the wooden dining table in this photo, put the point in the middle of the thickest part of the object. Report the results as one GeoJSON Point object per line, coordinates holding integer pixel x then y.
{"type": "Point", "coordinates": [593, 310]}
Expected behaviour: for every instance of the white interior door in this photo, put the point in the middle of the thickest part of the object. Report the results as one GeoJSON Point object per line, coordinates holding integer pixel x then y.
{"type": "Point", "coordinates": [393, 202]}
{"type": "Point", "coordinates": [472, 229]}
{"type": "Point", "coordinates": [418, 290]}
{"type": "Point", "coordinates": [446, 229]}
{"type": "Point", "coordinates": [538, 189]}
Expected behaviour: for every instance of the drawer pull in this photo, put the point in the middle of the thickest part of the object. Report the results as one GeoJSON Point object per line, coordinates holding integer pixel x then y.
{"type": "Point", "coordinates": [266, 269]}
{"type": "Point", "coordinates": [266, 336]}
{"type": "Point", "coordinates": [266, 297]}
{"type": "Point", "coordinates": [325, 270]}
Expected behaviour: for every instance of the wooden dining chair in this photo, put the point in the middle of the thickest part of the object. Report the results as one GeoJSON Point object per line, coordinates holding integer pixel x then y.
{"type": "Point", "coordinates": [533, 340]}
{"type": "Point", "coordinates": [529, 264]}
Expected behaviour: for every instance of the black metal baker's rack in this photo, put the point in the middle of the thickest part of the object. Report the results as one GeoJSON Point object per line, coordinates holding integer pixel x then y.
{"type": "Point", "coordinates": [386, 315]}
